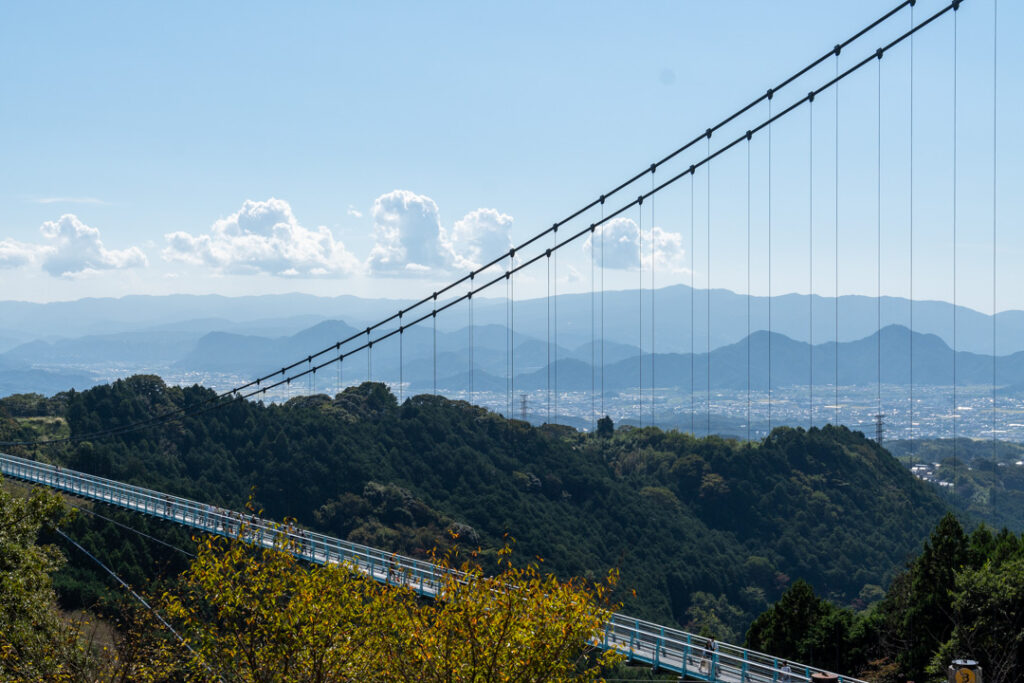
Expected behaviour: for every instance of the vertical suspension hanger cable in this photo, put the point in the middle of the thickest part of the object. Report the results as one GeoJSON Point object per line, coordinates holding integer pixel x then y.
{"type": "Point", "coordinates": [837, 50]}
{"type": "Point", "coordinates": [770, 94]}
{"type": "Point", "coordinates": [511, 330]}
{"type": "Point", "coordinates": [369, 356]}
{"type": "Point", "coordinates": [810, 260]}
{"type": "Point", "coordinates": [401, 360]}
{"type": "Point", "coordinates": [878, 249]}
{"type": "Point", "coordinates": [995, 54]}
{"type": "Point", "coordinates": [469, 302]}
{"type": "Point", "coordinates": [708, 133]}
{"type": "Point", "coordinates": [547, 262]}
{"type": "Point", "coordinates": [593, 330]}
{"type": "Point", "coordinates": [554, 320]}
{"type": "Point", "coordinates": [640, 308]}
{"type": "Point", "coordinates": [910, 193]}
{"type": "Point", "coordinates": [693, 269]}
{"type": "Point", "coordinates": [956, 6]}
{"type": "Point", "coordinates": [653, 169]}
{"type": "Point", "coordinates": [602, 307]}
{"type": "Point", "coordinates": [749, 135]}
{"type": "Point", "coordinates": [508, 342]}
{"type": "Point", "coordinates": [433, 317]}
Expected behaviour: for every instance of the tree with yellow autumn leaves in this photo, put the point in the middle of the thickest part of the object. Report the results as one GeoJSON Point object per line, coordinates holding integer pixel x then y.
{"type": "Point", "coordinates": [248, 613]}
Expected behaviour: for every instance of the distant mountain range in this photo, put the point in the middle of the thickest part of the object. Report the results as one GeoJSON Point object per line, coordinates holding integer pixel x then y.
{"type": "Point", "coordinates": [793, 363]}
{"type": "Point", "coordinates": [284, 314]}
{"type": "Point", "coordinates": [249, 336]}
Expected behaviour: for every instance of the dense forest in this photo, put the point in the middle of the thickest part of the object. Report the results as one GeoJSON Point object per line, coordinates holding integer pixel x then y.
{"type": "Point", "coordinates": [961, 598]}
{"type": "Point", "coordinates": [706, 532]}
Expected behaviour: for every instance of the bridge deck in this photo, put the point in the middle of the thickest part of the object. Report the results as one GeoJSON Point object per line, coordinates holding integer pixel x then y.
{"type": "Point", "coordinates": [643, 641]}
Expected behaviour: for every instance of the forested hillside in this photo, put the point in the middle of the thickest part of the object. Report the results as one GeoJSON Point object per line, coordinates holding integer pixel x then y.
{"type": "Point", "coordinates": [706, 531]}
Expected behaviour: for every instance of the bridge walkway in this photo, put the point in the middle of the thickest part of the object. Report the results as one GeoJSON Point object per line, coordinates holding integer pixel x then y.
{"type": "Point", "coordinates": [666, 648]}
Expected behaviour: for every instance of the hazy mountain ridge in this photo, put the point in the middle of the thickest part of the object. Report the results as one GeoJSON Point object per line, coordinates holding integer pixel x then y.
{"type": "Point", "coordinates": [24, 321]}
{"type": "Point", "coordinates": [246, 345]}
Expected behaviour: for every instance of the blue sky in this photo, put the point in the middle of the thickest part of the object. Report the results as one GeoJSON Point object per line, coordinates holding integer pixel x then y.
{"type": "Point", "coordinates": [383, 148]}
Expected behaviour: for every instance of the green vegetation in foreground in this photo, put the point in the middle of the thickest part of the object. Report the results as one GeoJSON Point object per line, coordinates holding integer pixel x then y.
{"type": "Point", "coordinates": [963, 597]}
{"type": "Point", "coordinates": [254, 614]}
{"type": "Point", "coordinates": [707, 532]}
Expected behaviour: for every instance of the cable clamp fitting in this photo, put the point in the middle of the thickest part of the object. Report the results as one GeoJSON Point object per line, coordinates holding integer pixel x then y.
{"type": "Point", "coordinates": [837, 49]}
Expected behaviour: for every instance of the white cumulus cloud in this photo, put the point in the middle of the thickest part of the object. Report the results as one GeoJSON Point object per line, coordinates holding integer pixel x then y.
{"type": "Point", "coordinates": [479, 237]}
{"type": "Point", "coordinates": [622, 245]}
{"type": "Point", "coordinates": [407, 231]}
{"type": "Point", "coordinates": [75, 248]}
{"type": "Point", "coordinates": [410, 239]}
{"type": "Point", "coordinates": [15, 254]}
{"type": "Point", "coordinates": [263, 237]}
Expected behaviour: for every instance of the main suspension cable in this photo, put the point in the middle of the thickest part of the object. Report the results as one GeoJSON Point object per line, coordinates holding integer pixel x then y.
{"type": "Point", "coordinates": [258, 386]}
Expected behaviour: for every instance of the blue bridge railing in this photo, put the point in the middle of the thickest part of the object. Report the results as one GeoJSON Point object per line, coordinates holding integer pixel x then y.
{"type": "Point", "coordinates": [692, 656]}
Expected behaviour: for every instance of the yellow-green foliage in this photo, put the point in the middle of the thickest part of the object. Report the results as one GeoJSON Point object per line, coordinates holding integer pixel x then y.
{"type": "Point", "coordinates": [257, 614]}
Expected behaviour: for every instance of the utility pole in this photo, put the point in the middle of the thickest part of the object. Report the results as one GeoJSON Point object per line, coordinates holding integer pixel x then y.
{"type": "Point", "coordinates": [522, 408]}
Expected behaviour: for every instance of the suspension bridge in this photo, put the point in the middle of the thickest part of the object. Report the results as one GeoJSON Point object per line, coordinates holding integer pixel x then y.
{"type": "Point", "coordinates": [739, 147]}
{"type": "Point", "coordinates": [642, 641]}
